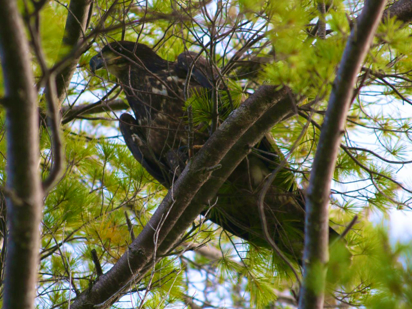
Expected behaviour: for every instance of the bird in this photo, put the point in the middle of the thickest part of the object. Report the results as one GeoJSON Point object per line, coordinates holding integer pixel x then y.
{"type": "Point", "coordinates": [156, 90]}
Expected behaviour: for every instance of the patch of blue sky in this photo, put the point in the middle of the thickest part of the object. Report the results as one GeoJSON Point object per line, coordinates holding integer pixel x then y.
{"type": "Point", "coordinates": [386, 112]}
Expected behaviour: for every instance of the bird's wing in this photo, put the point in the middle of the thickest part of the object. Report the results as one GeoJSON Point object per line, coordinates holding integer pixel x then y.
{"type": "Point", "coordinates": [199, 69]}
{"type": "Point", "coordinates": [136, 144]}
{"type": "Point", "coordinates": [272, 156]}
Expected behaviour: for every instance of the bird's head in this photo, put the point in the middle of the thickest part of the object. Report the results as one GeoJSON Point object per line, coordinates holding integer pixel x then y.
{"type": "Point", "coordinates": [117, 55]}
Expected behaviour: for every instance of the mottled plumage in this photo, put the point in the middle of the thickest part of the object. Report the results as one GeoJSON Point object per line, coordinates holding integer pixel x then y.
{"type": "Point", "coordinates": [155, 89]}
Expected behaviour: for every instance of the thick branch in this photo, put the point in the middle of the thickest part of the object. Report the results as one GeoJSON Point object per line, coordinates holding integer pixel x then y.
{"type": "Point", "coordinates": [75, 26]}
{"type": "Point", "coordinates": [24, 200]}
{"type": "Point", "coordinates": [208, 191]}
{"type": "Point", "coordinates": [144, 249]}
{"type": "Point", "coordinates": [317, 223]}
{"type": "Point", "coordinates": [401, 9]}
{"type": "Point", "coordinates": [207, 194]}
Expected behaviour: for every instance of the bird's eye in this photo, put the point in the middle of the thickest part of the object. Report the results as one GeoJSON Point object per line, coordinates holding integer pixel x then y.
{"type": "Point", "coordinates": [120, 49]}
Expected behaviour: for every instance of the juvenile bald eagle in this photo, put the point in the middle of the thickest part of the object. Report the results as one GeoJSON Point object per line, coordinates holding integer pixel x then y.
{"type": "Point", "coordinates": [155, 89]}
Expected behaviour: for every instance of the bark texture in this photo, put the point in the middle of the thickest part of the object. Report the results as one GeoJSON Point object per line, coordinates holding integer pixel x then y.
{"type": "Point", "coordinates": [100, 293]}
{"type": "Point", "coordinates": [145, 248]}
{"type": "Point", "coordinates": [24, 193]}
{"type": "Point", "coordinates": [316, 254]}
{"type": "Point", "coordinates": [401, 9]}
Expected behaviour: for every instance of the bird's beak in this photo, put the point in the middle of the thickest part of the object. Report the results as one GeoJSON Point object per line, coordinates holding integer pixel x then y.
{"type": "Point", "coordinates": [96, 63]}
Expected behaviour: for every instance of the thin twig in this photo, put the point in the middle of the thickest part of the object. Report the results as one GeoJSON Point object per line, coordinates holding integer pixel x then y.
{"type": "Point", "coordinates": [129, 226]}
{"type": "Point", "coordinates": [57, 143]}
{"type": "Point", "coordinates": [345, 232]}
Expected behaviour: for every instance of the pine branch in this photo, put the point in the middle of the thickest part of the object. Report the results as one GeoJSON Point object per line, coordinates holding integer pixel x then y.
{"type": "Point", "coordinates": [149, 243]}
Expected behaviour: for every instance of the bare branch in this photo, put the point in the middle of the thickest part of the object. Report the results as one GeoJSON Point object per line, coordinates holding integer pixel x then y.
{"type": "Point", "coordinates": [96, 263]}
{"type": "Point", "coordinates": [175, 204]}
{"type": "Point", "coordinates": [95, 108]}
{"type": "Point", "coordinates": [346, 231]}
{"type": "Point", "coordinates": [237, 153]}
{"type": "Point", "coordinates": [57, 140]}
{"type": "Point", "coordinates": [75, 27]}
{"type": "Point", "coordinates": [317, 224]}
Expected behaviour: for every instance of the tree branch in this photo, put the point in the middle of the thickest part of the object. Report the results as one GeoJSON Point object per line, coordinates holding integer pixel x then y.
{"type": "Point", "coordinates": [401, 9]}
{"type": "Point", "coordinates": [56, 89]}
{"type": "Point", "coordinates": [144, 250]}
{"type": "Point", "coordinates": [75, 27]}
{"type": "Point", "coordinates": [118, 278]}
{"type": "Point", "coordinates": [207, 194]}
{"type": "Point", "coordinates": [52, 113]}
{"type": "Point", "coordinates": [95, 108]}
{"type": "Point", "coordinates": [59, 159]}
{"type": "Point", "coordinates": [24, 194]}
{"type": "Point", "coordinates": [279, 112]}
{"type": "Point", "coordinates": [315, 256]}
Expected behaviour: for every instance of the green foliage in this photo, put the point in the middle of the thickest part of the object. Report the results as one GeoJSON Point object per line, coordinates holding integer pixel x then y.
{"type": "Point", "coordinates": [106, 197]}
{"type": "Point", "coordinates": [52, 31]}
{"type": "Point", "coordinates": [203, 105]}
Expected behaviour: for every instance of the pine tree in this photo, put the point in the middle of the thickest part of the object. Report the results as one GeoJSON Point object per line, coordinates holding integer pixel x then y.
{"type": "Point", "coordinates": [98, 200]}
